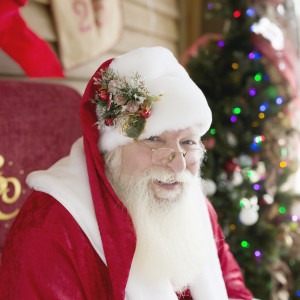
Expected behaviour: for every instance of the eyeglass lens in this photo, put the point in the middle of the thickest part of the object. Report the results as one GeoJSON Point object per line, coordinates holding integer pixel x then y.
{"type": "Point", "coordinates": [164, 155]}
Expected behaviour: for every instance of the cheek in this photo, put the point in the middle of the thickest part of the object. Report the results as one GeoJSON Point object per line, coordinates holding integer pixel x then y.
{"type": "Point", "coordinates": [134, 161]}
{"type": "Point", "coordinates": [194, 168]}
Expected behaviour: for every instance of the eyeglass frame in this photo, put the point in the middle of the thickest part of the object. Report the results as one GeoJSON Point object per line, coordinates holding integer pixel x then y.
{"type": "Point", "coordinates": [176, 152]}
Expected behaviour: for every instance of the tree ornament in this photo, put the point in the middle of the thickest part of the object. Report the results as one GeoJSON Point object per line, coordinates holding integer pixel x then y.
{"type": "Point", "coordinates": [103, 95]}
{"type": "Point", "coordinates": [266, 199]}
{"type": "Point", "coordinates": [237, 178]}
{"type": "Point", "coordinates": [209, 143]}
{"type": "Point", "coordinates": [261, 169]}
{"type": "Point", "coordinates": [253, 176]}
{"type": "Point", "coordinates": [120, 100]}
{"type": "Point", "coordinates": [248, 216]}
{"type": "Point", "coordinates": [209, 187]}
{"type": "Point", "coordinates": [231, 139]}
{"type": "Point", "coordinates": [132, 106]}
{"type": "Point", "coordinates": [145, 113]}
{"type": "Point", "coordinates": [249, 212]}
{"type": "Point", "coordinates": [288, 241]}
{"type": "Point", "coordinates": [229, 166]}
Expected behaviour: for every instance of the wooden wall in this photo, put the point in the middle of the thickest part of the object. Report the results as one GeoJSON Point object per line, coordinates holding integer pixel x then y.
{"type": "Point", "coordinates": [146, 23]}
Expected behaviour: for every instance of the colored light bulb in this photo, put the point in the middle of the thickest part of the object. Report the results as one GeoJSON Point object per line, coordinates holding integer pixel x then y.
{"type": "Point", "coordinates": [257, 56]}
{"type": "Point", "coordinates": [283, 152]}
{"type": "Point", "coordinates": [257, 253]}
{"type": "Point", "coordinates": [257, 139]}
{"type": "Point", "coordinates": [233, 119]}
{"type": "Point", "coordinates": [256, 187]}
{"type": "Point", "coordinates": [235, 66]}
{"type": "Point", "coordinates": [283, 164]}
{"type": "Point", "coordinates": [221, 43]}
{"type": "Point", "coordinates": [237, 13]}
{"type": "Point", "coordinates": [282, 210]}
{"type": "Point", "coordinates": [263, 107]}
{"type": "Point", "coordinates": [258, 77]}
{"type": "Point", "coordinates": [252, 92]}
{"type": "Point", "coordinates": [236, 110]}
{"type": "Point", "coordinates": [255, 147]}
{"type": "Point", "coordinates": [245, 244]}
{"type": "Point", "coordinates": [250, 12]}
{"type": "Point", "coordinates": [251, 55]}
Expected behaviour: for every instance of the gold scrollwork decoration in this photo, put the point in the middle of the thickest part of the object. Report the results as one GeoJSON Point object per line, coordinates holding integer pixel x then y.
{"type": "Point", "coordinates": [4, 192]}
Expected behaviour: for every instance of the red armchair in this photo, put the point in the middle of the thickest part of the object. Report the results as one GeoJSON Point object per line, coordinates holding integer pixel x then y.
{"type": "Point", "coordinates": [38, 124]}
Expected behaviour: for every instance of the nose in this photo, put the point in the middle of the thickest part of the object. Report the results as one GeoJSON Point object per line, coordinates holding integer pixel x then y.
{"type": "Point", "coordinates": [177, 164]}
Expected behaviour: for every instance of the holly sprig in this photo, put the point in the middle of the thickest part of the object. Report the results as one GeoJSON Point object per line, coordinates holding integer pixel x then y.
{"type": "Point", "coordinates": [123, 102]}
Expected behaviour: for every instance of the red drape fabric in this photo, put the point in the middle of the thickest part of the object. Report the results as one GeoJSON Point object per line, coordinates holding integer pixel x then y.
{"type": "Point", "coordinates": [32, 53]}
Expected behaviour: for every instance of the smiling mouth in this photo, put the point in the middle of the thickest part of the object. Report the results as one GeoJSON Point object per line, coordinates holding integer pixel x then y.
{"type": "Point", "coordinates": [169, 185]}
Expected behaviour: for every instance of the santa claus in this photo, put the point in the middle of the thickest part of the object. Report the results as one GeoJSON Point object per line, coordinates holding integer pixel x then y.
{"type": "Point", "coordinates": [124, 215]}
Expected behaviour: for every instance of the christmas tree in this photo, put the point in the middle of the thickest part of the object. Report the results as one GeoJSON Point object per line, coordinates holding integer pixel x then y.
{"type": "Point", "coordinates": [251, 153]}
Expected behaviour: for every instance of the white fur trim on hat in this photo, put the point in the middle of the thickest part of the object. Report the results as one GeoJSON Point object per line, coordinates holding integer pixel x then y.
{"type": "Point", "coordinates": [182, 104]}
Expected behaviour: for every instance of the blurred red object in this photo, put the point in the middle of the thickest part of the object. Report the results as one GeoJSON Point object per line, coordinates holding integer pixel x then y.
{"type": "Point", "coordinates": [32, 53]}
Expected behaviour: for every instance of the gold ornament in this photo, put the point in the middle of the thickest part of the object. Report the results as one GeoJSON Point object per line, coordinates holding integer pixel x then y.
{"type": "Point", "coordinates": [4, 192]}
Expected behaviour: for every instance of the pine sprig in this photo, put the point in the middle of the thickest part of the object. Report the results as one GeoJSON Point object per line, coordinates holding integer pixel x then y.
{"type": "Point", "coordinates": [123, 102]}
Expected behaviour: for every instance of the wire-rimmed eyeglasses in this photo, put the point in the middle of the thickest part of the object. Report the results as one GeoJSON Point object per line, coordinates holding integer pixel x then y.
{"type": "Point", "coordinates": [163, 156]}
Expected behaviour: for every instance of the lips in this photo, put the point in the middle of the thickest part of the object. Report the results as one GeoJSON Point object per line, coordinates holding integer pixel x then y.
{"type": "Point", "coordinates": [173, 182]}
{"type": "Point", "coordinates": [167, 185]}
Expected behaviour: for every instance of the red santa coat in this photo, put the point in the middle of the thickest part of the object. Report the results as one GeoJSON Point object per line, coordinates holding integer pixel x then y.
{"type": "Point", "coordinates": [48, 256]}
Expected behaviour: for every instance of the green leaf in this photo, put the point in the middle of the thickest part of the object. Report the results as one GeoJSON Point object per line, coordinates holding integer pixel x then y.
{"type": "Point", "coordinates": [133, 126]}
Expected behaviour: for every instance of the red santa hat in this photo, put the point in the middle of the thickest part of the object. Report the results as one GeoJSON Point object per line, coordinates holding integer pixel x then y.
{"type": "Point", "coordinates": [126, 91]}
{"type": "Point", "coordinates": [181, 105]}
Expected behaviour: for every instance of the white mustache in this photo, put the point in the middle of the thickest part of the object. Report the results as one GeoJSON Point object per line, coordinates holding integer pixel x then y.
{"type": "Point", "coordinates": [156, 173]}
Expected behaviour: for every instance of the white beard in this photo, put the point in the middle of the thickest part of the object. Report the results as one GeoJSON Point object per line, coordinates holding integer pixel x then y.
{"type": "Point", "coordinates": [172, 242]}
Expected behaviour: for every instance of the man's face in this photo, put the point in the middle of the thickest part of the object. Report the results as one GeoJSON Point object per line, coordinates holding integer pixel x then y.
{"type": "Point", "coordinates": [166, 206]}
{"type": "Point", "coordinates": [137, 157]}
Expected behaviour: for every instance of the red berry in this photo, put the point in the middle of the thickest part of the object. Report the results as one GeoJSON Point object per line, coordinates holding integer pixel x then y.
{"type": "Point", "coordinates": [145, 113]}
{"type": "Point", "coordinates": [103, 95]}
{"type": "Point", "coordinates": [109, 122]}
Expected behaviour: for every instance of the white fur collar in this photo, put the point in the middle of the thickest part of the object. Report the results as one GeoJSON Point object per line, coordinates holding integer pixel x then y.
{"type": "Point", "coordinates": [67, 181]}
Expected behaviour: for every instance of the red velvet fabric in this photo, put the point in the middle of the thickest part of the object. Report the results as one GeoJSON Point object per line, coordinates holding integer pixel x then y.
{"type": "Point", "coordinates": [74, 270]}
{"type": "Point", "coordinates": [39, 122]}
{"type": "Point", "coordinates": [32, 53]}
{"type": "Point", "coordinates": [47, 256]}
{"type": "Point", "coordinates": [114, 221]}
